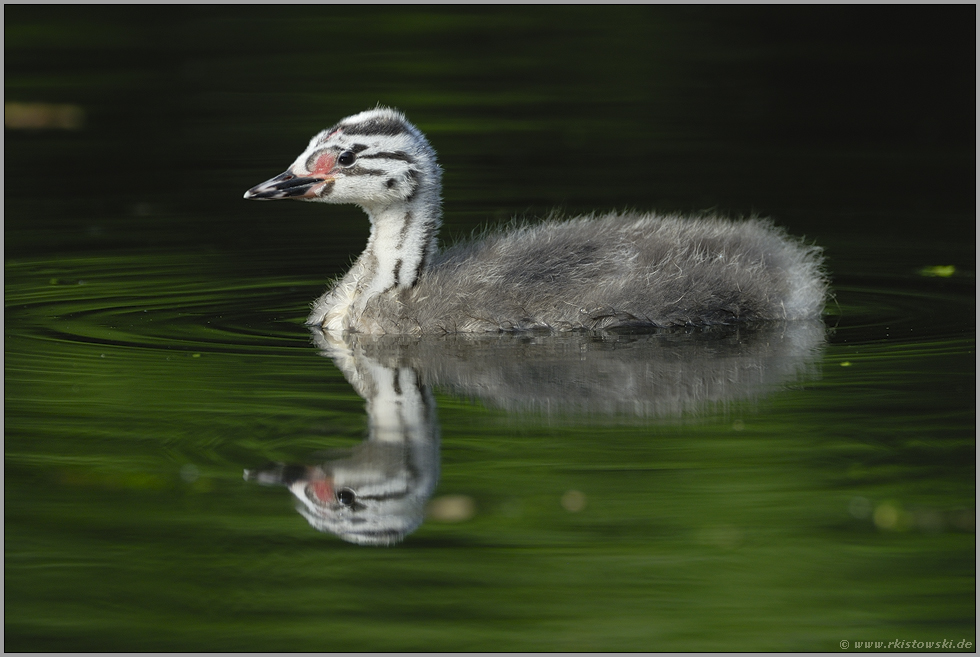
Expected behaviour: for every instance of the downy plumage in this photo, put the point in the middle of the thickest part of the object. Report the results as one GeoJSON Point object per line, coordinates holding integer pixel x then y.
{"type": "Point", "coordinates": [609, 272]}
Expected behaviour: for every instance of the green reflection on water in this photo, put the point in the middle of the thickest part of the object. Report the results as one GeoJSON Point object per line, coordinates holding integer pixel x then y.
{"type": "Point", "coordinates": [153, 347]}
{"type": "Point", "coordinates": [128, 525]}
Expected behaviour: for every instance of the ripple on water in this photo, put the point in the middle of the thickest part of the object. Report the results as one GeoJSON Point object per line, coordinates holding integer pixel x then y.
{"type": "Point", "coordinates": [154, 302]}
{"type": "Point", "coordinates": [902, 310]}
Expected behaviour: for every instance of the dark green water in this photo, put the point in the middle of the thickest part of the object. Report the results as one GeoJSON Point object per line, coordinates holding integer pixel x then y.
{"type": "Point", "coordinates": [769, 491]}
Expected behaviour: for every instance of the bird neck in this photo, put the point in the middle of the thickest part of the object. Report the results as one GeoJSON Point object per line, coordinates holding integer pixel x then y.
{"type": "Point", "coordinates": [401, 244]}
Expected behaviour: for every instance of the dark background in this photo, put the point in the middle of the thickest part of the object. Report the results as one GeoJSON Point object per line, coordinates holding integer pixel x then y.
{"type": "Point", "coordinates": [835, 120]}
{"type": "Point", "coordinates": [153, 329]}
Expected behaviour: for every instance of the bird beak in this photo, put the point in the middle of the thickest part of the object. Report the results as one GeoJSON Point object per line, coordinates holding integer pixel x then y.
{"type": "Point", "coordinates": [289, 185]}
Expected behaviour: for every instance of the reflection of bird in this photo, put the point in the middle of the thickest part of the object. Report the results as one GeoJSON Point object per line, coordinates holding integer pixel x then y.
{"type": "Point", "coordinates": [667, 373]}
{"type": "Point", "coordinates": [375, 494]}
{"type": "Point", "coordinates": [615, 271]}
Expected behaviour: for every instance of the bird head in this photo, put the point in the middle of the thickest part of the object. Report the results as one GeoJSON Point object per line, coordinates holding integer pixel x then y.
{"type": "Point", "coordinates": [373, 159]}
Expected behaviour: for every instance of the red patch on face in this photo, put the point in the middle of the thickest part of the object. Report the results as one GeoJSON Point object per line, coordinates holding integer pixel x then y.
{"type": "Point", "coordinates": [323, 164]}
{"type": "Point", "coordinates": [323, 489]}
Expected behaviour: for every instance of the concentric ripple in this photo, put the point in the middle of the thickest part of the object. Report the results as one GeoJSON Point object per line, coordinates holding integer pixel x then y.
{"type": "Point", "coordinates": [902, 310]}
{"type": "Point", "coordinates": [155, 302]}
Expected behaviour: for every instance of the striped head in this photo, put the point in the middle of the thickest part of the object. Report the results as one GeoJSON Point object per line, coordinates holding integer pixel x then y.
{"type": "Point", "coordinates": [376, 496]}
{"type": "Point", "coordinates": [374, 159]}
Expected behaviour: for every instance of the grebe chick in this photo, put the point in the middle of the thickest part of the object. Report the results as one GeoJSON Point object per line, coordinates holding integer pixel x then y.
{"type": "Point", "coordinates": [616, 271]}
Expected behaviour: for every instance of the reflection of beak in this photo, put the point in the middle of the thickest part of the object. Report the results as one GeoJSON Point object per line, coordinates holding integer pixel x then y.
{"type": "Point", "coordinates": [306, 482]}
{"type": "Point", "coordinates": [288, 185]}
{"type": "Point", "coordinates": [278, 474]}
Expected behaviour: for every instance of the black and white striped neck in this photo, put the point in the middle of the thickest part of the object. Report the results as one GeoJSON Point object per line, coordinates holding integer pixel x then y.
{"type": "Point", "coordinates": [401, 244]}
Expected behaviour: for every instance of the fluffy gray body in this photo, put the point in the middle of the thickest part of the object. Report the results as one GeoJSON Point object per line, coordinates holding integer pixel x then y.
{"type": "Point", "coordinates": [617, 271]}
{"type": "Point", "coordinates": [612, 272]}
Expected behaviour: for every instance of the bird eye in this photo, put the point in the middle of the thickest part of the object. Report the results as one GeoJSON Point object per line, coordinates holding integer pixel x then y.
{"type": "Point", "coordinates": [346, 159]}
{"type": "Point", "coordinates": [346, 496]}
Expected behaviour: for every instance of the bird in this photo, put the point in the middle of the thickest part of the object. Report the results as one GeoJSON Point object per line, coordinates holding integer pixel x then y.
{"type": "Point", "coordinates": [613, 271]}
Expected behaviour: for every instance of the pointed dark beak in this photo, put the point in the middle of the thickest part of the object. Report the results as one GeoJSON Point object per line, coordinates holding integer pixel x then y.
{"type": "Point", "coordinates": [288, 185]}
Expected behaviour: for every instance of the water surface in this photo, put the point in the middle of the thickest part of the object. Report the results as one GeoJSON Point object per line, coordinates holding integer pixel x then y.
{"type": "Point", "coordinates": [727, 490]}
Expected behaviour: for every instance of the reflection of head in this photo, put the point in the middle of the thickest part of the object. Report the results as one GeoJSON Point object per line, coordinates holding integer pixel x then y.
{"type": "Point", "coordinates": [376, 496]}
{"type": "Point", "coordinates": [373, 498]}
